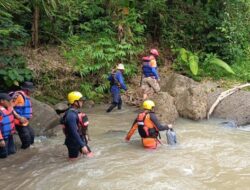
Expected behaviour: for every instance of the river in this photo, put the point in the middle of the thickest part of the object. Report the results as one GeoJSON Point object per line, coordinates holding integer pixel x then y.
{"type": "Point", "coordinates": [207, 156]}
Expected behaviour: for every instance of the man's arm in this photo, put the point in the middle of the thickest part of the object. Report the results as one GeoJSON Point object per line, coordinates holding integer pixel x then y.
{"type": "Point", "coordinates": [2, 143]}
{"type": "Point", "coordinates": [155, 72]}
{"type": "Point", "coordinates": [131, 131]}
{"type": "Point", "coordinates": [121, 81]}
{"type": "Point", "coordinates": [157, 123]}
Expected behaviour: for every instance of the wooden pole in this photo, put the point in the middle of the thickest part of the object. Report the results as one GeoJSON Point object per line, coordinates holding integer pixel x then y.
{"type": "Point", "coordinates": [224, 95]}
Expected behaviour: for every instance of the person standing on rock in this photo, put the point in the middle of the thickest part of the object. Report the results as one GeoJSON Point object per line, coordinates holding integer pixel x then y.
{"type": "Point", "coordinates": [150, 77]}
{"type": "Point", "coordinates": [148, 126]}
{"type": "Point", "coordinates": [23, 113]}
{"type": "Point", "coordinates": [75, 140]}
{"type": "Point", "coordinates": [7, 126]}
{"type": "Point", "coordinates": [116, 84]}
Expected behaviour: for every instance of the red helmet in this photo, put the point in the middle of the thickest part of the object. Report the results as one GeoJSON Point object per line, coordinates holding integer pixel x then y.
{"type": "Point", "coordinates": [154, 52]}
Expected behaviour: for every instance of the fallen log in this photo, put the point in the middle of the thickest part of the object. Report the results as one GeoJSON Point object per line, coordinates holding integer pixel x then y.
{"type": "Point", "coordinates": [224, 95]}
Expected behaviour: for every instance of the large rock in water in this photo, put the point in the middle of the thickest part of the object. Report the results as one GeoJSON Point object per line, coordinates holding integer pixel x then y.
{"type": "Point", "coordinates": [176, 84]}
{"type": "Point", "coordinates": [44, 118]}
{"type": "Point", "coordinates": [190, 96]}
{"type": "Point", "coordinates": [192, 103]}
{"type": "Point", "coordinates": [234, 107]}
{"type": "Point", "coordinates": [165, 108]}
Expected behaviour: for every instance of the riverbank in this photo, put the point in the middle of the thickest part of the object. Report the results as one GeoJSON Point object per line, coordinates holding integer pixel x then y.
{"type": "Point", "coordinates": [55, 77]}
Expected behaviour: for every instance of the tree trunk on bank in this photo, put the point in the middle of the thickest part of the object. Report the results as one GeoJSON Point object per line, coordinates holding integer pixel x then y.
{"type": "Point", "coordinates": [35, 27]}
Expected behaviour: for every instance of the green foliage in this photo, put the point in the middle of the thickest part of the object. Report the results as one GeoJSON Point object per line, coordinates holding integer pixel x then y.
{"type": "Point", "coordinates": [219, 27]}
{"type": "Point", "coordinates": [15, 76]}
{"type": "Point", "coordinates": [234, 31]}
{"type": "Point", "coordinates": [222, 64]}
{"type": "Point", "coordinates": [13, 71]}
{"type": "Point", "coordinates": [187, 61]}
{"type": "Point", "coordinates": [11, 33]}
{"type": "Point", "coordinates": [96, 35]}
{"type": "Point", "coordinates": [242, 70]}
{"type": "Point", "coordinates": [94, 59]}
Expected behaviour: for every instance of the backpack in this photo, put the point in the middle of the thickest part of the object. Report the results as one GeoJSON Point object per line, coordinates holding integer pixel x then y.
{"type": "Point", "coordinates": [82, 126]}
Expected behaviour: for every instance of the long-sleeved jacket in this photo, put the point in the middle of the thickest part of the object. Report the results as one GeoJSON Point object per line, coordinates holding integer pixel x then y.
{"type": "Point", "coordinates": [71, 128]}
{"type": "Point", "coordinates": [117, 81]}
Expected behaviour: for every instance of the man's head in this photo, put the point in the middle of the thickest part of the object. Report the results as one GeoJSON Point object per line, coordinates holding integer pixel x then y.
{"type": "Point", "coordinates": [28, 87]}
{"type": "Point", "coordinates": [120, 67]}
{"type": "Point", "coordinates": [148, 105]}
{"type": "Point", "coordinates": [5, 100]}
{"type": "Point", "coordinates": [154, 52]}
{"type": "Point", "coordinates": [75, 99]}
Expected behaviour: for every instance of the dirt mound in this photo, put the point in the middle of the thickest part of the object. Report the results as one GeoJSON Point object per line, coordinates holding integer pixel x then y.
{"type": "Point", "coordinates": [51, 71]}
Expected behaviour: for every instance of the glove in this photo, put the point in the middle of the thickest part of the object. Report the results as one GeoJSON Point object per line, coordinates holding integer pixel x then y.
{"type": "Point", "coordinates": [126, 139]}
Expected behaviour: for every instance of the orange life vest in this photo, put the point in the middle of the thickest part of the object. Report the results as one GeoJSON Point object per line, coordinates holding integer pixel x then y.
{"type": "Point", "coordinates": [147, 130]}
{"type": "Point", "coordinates": [146, 127]}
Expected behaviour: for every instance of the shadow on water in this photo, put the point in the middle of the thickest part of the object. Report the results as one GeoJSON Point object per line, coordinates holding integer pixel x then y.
{"type": "Point", "coordinates": [207, 156]}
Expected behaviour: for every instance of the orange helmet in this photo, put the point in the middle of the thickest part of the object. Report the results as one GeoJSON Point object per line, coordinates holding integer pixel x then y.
{"type": "Point", "coordinates": [154, 52]}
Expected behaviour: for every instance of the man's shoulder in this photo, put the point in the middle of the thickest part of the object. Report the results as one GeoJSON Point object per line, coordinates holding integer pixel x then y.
{"type": "Point", "coordinates": [152, 114]}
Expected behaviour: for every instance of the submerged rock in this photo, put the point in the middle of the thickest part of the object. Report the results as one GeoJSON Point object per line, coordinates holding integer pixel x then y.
{"type": "Point", "coordinates": [230, 124]}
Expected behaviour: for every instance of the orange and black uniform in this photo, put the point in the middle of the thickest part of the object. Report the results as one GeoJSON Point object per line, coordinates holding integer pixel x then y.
{"type": "Point", "coordinates": [148, 127]}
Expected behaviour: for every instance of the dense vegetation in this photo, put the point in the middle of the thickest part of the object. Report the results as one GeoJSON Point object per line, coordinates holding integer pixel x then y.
{"type": "Point", "coordinates": [204, 37]}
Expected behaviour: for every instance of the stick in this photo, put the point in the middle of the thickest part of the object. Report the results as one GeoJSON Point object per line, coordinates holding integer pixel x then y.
{"type": "Point", "coordinates": [224, 95]}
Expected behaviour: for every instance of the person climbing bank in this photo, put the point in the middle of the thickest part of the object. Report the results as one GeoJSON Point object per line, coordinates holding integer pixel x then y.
{"type": "Point", "coordinates": [116, 84]}
{"type": "Point", "coordinates": [23, 113]}
{"type": "Point", "coordinates": [148, 126]}
{"type": "Point", "coordinates": [75, 140]}
{"type": "Point", "coordinates": [150, 77]}
{"type": "Point", "coordinates": [7, 126]}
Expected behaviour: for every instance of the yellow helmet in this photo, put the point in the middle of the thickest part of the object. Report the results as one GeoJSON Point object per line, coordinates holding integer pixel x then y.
{"type": "Point", "coordinates": [73, 96]}
{"type": "Point", "coordinates": [148, 105]}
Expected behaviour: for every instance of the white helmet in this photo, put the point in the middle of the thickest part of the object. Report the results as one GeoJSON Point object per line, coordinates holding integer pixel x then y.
{"type": "Point", "coordinates": [120, 66]}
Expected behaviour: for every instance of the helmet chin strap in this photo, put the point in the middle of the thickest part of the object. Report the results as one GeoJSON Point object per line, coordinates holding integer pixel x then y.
{"type": "Point", "coordinates": [78, 104]}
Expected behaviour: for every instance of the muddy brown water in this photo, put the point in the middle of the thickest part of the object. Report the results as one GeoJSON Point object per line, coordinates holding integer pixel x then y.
{"type": "Point", "coordinates": [207, 156]}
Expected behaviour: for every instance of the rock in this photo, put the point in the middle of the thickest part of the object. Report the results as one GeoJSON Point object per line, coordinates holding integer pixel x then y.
{"type": "Point", "coordinates": [192, 103]}
{"type": "Point", "coordinates": [234, 107]}
{"type": "Point", "coordinates": [165, 108]}
{"type": "Point", "coordinates": [61, 107]}
{"type": "Point", "coordinates": [190, 96]}
{"type": "Point", "coordinates": [88, 104]}
{"type": "Point", "coordinates": [176, 84]}
{"type": "Point", "coordinates": [44, 118]}
{"type": "Point", "coordinates": [228, 124]}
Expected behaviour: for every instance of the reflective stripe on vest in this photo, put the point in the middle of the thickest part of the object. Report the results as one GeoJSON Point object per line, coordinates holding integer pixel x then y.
{"type": "Point", "coordinates": [7, 125]}
{"type": "Point", "coordinates": [26, 109]}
